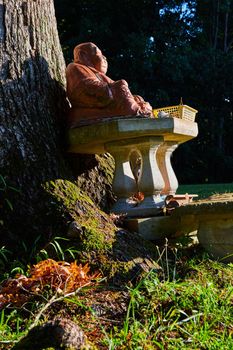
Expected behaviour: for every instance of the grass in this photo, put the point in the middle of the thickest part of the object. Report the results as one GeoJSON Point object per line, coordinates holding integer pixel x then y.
{"type": "Point", "coordinates": [12, 327]}
{"type": "Point", "coordinates": [186, 305]}
{"type": "Point", "coordinates": [205, 190]}
{"type": "Point", "coordinates": [192, 311]}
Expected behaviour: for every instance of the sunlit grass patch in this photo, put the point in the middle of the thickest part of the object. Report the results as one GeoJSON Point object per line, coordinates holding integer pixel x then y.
{"type": "Point", "coordinates": [205, 190]}
{"type": "Point", "coordinates": [12, 327]}
{"type": "Point", "coordinates": [193, 311]}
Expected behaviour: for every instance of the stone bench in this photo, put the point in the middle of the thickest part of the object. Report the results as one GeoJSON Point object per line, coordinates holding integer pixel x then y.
{"type": "Point", "coordinates": [153, 139]}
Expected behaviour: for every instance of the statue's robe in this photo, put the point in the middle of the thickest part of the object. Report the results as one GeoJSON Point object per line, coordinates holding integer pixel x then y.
{"type": "Point", "coordinates": [94, 96]}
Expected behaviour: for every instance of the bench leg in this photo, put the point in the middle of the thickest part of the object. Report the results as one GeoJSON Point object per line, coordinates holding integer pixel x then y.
{"type": "Point", "coordinates": [124, 184]}
{"type": "Point", "coordinates": [163, 156]}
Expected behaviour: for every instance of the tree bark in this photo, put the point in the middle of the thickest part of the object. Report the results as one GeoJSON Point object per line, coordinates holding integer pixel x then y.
{"type": "Point", "coordinates": [32, 106]}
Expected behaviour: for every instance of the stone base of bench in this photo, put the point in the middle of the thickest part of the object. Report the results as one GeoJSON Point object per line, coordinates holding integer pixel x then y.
{"type": "Point", "coordinates": [212, 220]}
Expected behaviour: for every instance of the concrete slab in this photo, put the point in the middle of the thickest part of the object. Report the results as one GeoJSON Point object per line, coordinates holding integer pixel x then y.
{"type": "Point", "coordinates": [156, 228]}
{"type": "Point", "coordinates": [92, 138]}
{"type": "Point", "coordinates": [213, 221]}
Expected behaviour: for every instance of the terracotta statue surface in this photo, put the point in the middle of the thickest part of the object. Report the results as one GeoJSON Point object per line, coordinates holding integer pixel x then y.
{"type": "Point", "coordinates": [93, 95]}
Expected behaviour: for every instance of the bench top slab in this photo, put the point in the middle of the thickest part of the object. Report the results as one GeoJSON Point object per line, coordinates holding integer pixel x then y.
{"type": "Point", "coordinates": [91, 139]}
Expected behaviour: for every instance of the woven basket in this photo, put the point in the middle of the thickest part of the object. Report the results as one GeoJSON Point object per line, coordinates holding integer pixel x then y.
{"type": "Point", "coordinates": [181, 111]}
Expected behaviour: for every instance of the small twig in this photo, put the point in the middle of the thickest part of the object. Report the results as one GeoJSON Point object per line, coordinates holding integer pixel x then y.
{"type": "Point", "coordinates": [8, 341]}
{"type": "Point", "coordinates": [166, 256]}
{"type": "Point", "coordinates": [53, 300]}
{"type": "Point", "coordinates": [108, 320]}
{"type": "Point", "coordinates": [189, 318]}
{"type": "Point", "coordinates": [160, 260]}
{"type": "Point", "coordinates": [174, 270]}
{"type": "Point", "coordinates": [32, 293]}
{"type": "Point", "coordinates": [45, 307]}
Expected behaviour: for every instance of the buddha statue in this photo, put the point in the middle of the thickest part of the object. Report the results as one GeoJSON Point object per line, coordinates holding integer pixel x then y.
{"type": "Point", "coordinates": [93, 95]}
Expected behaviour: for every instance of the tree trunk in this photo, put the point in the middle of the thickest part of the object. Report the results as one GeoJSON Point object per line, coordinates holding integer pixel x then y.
{"type": "Point", "coordinates": [32, 119]}
{"type": "Point", "coordinates": [32, 105]}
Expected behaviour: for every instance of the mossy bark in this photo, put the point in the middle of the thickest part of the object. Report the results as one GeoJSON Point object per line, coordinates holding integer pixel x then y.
{"type": "Point", "coordinates": [94, 175]}
{"type": "Point", "coordinates": [120, 255]}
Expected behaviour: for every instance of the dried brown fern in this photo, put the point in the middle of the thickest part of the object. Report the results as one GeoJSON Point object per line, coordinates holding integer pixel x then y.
{"type": "Point", "coordinates": [61, 277]}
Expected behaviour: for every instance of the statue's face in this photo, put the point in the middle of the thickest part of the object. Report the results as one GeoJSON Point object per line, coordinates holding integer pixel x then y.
{"type": "Point", "coordinates": [99, 60]}
{"type": "Point", "coordinates": [89, 54]}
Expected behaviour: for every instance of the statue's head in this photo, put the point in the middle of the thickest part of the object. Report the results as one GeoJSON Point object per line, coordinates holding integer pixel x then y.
{"type": "Point", "coordinates": [90, 55]}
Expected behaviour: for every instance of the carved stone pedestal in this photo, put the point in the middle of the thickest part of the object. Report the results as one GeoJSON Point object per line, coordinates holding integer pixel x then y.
{"type": "Point", "coordinates": [150, 181]}
{"type": "Point", "coordinates": [154, 140]}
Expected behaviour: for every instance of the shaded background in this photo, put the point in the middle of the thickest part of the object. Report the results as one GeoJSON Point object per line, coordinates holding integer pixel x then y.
{"type": "Point", "coordinates": [167, 50]}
